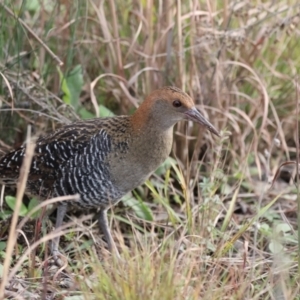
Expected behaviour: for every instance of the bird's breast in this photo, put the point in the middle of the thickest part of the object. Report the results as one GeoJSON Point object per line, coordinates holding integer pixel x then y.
{"type": "Point", "coordinates": [139, 158]}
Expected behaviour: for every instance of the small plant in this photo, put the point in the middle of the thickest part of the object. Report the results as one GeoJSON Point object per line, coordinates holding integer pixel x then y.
{"type": "Point", "coordinates": [24, 210]}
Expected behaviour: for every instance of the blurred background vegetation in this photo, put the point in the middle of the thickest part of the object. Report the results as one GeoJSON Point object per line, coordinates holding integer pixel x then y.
{"type": "Point", "coordinates": [219, 219]}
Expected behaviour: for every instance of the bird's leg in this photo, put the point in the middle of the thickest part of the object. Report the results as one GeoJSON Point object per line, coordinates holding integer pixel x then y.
{"type": "Point", "coordinates": [103, 224]}
{"type": "Point", "coordinates": [61, 211]}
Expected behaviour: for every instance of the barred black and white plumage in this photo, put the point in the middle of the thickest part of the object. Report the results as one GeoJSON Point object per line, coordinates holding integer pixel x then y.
{"type": "Point", "coordinates": [72, 160]}
{"type": "Point", "coordinates": [103, 159]}
{"type": "Point", "coordinates": [87, 173]}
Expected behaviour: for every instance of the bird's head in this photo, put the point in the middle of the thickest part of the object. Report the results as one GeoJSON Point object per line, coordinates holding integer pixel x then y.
{"type": "Point", "coordinates": [168, 105]}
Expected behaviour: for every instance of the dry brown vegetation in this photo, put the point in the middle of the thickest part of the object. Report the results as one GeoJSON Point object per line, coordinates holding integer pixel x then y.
{"type": "Point", "coordinates": [219, 219]}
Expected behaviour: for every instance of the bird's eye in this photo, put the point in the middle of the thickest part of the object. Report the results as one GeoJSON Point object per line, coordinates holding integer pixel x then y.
{"type": "Point", "coordinates": [177, 103]}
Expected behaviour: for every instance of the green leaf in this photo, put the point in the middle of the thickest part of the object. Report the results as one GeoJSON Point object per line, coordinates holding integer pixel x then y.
{"type": "Point", "coordinates": [32, 204]}
{"type": "Point", "coordinates": [275, 247]}
{"type": "Point", "coordinates": [139, 207]}
{"type": "Point", "coordinates": [2, 246]}
{"type": "Point", "coordinates": [71, 85]}
{"type": "Point", "coordinates": [166, 165]}
{"type": "Point", "coordinates": [11, 202]}
{"type": "Point", "coordinates": [64, 87]}
{"type": "Point", "coordinates": [5, 214]}
{"type": "Point", "coordinates": [75, 84]}
{"type": "Point", "coordinates": [33, 5]}
{"type": "Point", "coordinates": [85, 114]}
{"type": "Point", "coordinates": [265, 229]}
{"type": "Point", "coordinates": [105, 112]}
{"type": "Point", "coordinates": [282, 228]}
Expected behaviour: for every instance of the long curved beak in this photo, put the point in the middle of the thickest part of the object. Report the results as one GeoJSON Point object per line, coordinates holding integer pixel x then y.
{"type": "Point", "coordinates": [195, 115]}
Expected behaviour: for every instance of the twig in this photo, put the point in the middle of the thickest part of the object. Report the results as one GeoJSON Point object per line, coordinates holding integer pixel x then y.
{"type": "Point", "coordinates": [297, 169]}
{"type": "Point", "coordinates": [20, 192]}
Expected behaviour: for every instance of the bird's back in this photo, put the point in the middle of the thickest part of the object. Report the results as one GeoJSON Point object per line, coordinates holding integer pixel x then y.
{"type": "Point", "coordinates": [76, 149]}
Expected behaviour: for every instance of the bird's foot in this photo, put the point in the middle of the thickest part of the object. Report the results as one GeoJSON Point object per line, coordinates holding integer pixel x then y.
{"type": "Point", "coordinates": [59, 259]}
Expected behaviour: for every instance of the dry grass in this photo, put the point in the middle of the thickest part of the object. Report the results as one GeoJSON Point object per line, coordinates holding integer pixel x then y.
{"type": "Point", "coordinates": [217, 228]}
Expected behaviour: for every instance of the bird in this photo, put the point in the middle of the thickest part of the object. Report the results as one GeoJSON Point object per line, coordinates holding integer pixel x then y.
{"type": "Point", "coordinates": [103, 159]}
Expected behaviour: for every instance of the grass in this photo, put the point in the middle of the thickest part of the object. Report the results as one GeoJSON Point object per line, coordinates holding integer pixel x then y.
{"type": "Point", "coordinates": [219, 219]}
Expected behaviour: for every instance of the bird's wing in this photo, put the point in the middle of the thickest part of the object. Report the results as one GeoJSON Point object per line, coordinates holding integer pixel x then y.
{"type": "Point", "coordinates": [51, 151]}
{"type": "Point", "coordinates": [87, 171]}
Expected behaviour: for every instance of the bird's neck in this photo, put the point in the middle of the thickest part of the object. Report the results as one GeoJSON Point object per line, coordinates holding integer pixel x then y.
{"type": "Point", "coordinates": [150, 133]}
{"type": "Point", "coordinates": [154, 141]}
{"type": "Point", "coordinates": [149, 145]}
